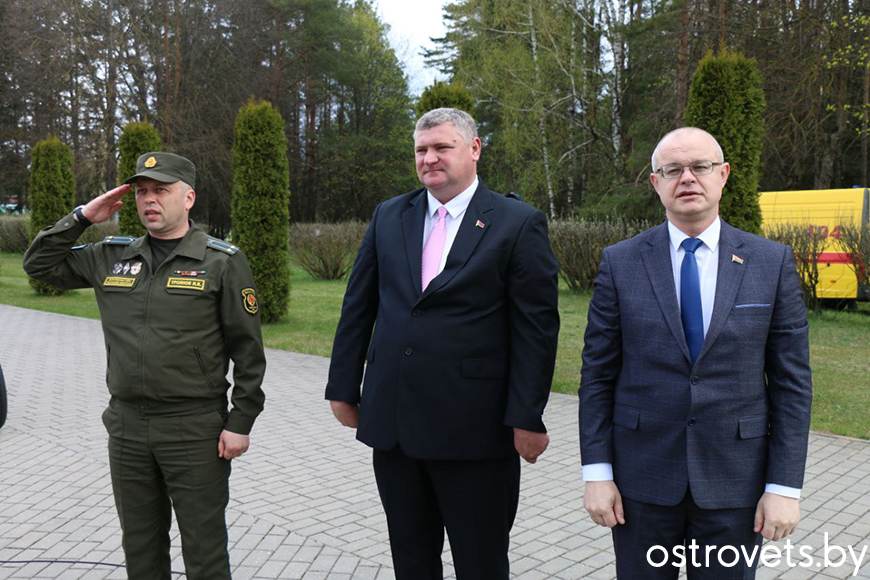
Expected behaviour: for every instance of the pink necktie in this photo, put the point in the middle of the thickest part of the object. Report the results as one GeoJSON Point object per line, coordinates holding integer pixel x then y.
{"type": "Point", "coordinates": [434, 247]}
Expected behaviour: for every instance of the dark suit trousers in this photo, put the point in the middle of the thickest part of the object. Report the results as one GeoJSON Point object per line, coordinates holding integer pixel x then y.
{"type": "Point", "coordinates": [647, 525]}
{"type": "Point", "coordinates": [476, 500]}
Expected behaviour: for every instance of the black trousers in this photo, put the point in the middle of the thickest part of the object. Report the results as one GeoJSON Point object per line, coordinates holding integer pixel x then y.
{"type": "Point", "coordinates": [651, 533]}
{"type": "Point", "coordinates": [476, 501]}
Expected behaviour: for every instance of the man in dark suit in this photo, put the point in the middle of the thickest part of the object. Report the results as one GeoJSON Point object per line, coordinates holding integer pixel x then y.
{"type": "Point", "coordinates": [460, 286]}
{"type": "Point", "coordinates": [696, 388]}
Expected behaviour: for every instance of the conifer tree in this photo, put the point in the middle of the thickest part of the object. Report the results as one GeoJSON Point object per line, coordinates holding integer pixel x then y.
{"type": "Point", "coordinates": [440, 94]}
{"type": "Point", "coordinates": [727, 100]}
{"type": "Point", "coordinates": [260, 204]}
{"type": "Point", "coordinates": [136, 139]}
{"type": "Point", "coordinates": [52, 192]}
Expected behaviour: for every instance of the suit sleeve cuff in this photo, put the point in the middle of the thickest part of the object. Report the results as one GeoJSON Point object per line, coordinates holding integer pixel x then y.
{"type": "Point", "coordinates": [334, 393]}
{"type": "Point", "coordinates": [598, 472]}
{"type": "Point", "coordinates": [783, 490]}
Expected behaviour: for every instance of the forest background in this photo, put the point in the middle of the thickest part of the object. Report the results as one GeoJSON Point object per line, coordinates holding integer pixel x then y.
{"type": "Point", "coordinates": [571, 95]}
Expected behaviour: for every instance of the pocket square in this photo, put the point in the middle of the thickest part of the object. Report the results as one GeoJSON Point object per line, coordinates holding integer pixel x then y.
{"type": "Point", "coordinates": [752, 306]}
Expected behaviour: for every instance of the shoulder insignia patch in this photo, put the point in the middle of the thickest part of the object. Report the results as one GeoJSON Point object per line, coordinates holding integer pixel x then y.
{"type": "Point", "coordinates": [249, 301]}
{"type": "Point", "coordinates": [118, 240]}
{"type": "Point", "coordinates": [81, 247]}
{"type": "Point", "coordinates": [226, 247]}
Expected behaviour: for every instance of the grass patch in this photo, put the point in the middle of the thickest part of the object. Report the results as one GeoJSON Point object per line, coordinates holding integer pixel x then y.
{"type": "Point", "coordinates": [309, 327]}
{"type": "Point", "coordinates": [15, 290]}
{"type": "Point", "coordinates": [840, 359]}
{"type": "Point", "coordinates": [839, 341]}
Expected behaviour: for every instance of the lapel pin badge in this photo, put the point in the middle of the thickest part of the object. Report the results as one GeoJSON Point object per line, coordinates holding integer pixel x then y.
{"type": "Point", "coordinates": [480, 224]}
{"type": "Point", "coordinates": [735, 259]}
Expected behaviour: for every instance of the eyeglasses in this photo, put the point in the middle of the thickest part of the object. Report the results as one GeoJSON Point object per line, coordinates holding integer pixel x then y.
{"type": "Point", "coordinates": [698, 169]}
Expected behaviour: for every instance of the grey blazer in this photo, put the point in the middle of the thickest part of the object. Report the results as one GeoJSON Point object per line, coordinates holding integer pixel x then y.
{"type": "Point", "coordinates": [727, 425]}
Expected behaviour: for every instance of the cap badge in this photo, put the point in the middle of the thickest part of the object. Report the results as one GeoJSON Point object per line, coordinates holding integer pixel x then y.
{"type": "Point", "coordinates": [150, 162]}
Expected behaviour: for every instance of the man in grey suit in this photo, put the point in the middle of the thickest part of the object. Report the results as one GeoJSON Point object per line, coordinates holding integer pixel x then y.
{"type": "Point", "coordinates": [696, 387]}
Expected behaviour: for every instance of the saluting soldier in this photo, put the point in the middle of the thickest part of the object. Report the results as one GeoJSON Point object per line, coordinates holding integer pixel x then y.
{"type": "Point", "coordinates": [176, 306]}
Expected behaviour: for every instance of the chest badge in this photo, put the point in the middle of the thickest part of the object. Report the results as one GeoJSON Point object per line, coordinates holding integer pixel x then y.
{"type": "Point", "coordinates": [189, 272]}
{"type": "Point", "coordinates": [119, 281]}
{"type": "Point", "coordinates": [135, 268]}
{"type": "Point", "coordinates": [186, 283]}
{"type": "Point", "coordinates": [249, 301]}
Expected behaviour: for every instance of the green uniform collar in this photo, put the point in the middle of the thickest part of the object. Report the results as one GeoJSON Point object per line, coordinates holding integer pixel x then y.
{"type": "Point", "coordinates": [192, 245]}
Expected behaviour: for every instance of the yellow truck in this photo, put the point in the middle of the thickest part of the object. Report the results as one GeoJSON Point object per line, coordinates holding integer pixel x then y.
{"type": "Point", "coordinates": [824, 210]}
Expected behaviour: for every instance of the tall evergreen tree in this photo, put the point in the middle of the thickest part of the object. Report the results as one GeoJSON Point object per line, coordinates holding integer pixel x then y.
{"type": "Point", "coordinates": [137, 138]}
{"type": "Point", "coordinates": [366, 148]}
{"type": "Point", "coordinates": [260, 205]}
{"type": "Point", "coordinates": [52, 191]}
{"type": "Point", "coordinates": [727, 100]}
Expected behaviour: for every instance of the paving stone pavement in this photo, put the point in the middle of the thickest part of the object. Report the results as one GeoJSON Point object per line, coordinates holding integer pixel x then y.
{"type": "Point", "coordinates": [303, 499]}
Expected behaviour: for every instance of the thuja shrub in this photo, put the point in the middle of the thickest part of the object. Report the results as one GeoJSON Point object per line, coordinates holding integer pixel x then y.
{"type": "Point", "coordinates": [136, 139]}
{"type": "Point", "coordinates": [260, 204]}
{"type": "Point", "coordinates": [52, 191]}
{"type": "Point", "coordinates": [727, 101]}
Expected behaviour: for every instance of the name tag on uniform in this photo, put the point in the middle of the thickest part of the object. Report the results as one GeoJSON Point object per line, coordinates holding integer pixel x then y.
{"type": "Point", "coordinates": [119, 281]}
{"type": "Point", "coordinates": [186, 283]}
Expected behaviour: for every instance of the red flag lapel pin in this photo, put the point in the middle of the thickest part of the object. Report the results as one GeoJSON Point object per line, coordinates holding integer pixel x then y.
{"type": "Point", "coordinates": [480, 224]}
{"type": "Point", "coordinates": [735, 259]}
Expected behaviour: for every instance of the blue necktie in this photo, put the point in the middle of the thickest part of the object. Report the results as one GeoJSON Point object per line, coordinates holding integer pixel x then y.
{"type": "Point", "coordinates": [690, 298]}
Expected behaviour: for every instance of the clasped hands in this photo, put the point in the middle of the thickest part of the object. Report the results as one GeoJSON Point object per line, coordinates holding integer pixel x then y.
{"type": "Point", "coordinates": [529, 444]}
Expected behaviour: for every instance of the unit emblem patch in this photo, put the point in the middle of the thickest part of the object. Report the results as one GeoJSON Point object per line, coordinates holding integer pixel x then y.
{"type": "Point", "coordinates": [249, 300]}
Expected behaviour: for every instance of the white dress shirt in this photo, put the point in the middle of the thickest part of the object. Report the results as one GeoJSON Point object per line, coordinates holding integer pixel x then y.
{"type": "Point", "coordinates": [455, 210]}
{"type": "Point", "coordinates": [707, 257]}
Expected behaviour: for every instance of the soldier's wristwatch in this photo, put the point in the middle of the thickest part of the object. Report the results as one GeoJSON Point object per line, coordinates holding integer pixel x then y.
{"type": "Point", "coordinates": [80, 216]}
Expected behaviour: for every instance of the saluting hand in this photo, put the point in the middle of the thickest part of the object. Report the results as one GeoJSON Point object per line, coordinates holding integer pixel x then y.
{"type": "Point", "coordinates": [103, 207]}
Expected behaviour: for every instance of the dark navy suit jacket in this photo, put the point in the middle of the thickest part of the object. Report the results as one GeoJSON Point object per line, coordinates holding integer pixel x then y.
{"type": "Point", "coordinates": [727, 425]}
{"type": "Point", "coordinates": [450, 370]}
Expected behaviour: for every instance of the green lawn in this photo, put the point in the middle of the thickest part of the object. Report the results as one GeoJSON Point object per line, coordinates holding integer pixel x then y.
{"type": "Point", "coordinates": [839, 341]}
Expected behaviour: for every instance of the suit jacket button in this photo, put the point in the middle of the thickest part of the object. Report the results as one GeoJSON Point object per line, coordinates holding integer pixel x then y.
{"type": "Point", "coordinates": [691, 422]}
{"type": "Point", "coordinates": [696, 380]}
{"type": "Point", "coordinates": [416, 312]}
{"type": "Point", "coordinates": [409, 351]}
